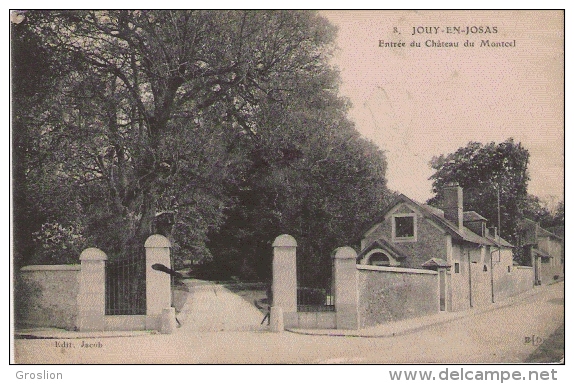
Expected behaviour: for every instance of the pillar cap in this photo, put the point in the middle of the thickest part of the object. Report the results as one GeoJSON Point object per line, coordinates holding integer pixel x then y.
{"type": "Point", "coordinates": [157, 241]}
{"type": "Point", "coordinates": [345, 253]}
{"type": "Point", "coordinates": [92, 254]}
{"type": "Point", "coordinates": [285, 241]}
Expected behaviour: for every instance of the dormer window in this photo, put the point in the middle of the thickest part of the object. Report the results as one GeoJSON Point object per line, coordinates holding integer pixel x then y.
{"type": "Point", "coordinates": [404, 227]}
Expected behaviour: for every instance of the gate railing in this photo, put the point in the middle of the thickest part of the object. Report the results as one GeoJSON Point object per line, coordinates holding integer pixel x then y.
{"type": "Point", "coordinates": [314, 290]}
{"type": "Point", "coordinates": [315, 300]}
{"type": "Point", "coordinates": [126, 286]}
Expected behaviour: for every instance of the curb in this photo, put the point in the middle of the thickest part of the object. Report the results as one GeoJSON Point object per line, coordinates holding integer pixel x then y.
{"type": "Point", "coordinates": [494, 306]}
{"type": "Point", "coordinates": [382, 335]}
{"type": "Point", "coordinates": [55, 335]}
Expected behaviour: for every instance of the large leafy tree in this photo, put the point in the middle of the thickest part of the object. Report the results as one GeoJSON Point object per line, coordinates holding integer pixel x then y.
{"type": "Point", "coordinates": [558, 217]}
{"type": "Point", "coordinates": [484, 171]}
{"type": "Point", "coordinates": [206, 115]}
{"type": "Point", "coordinates": [155, 113]}
{"type": "Point", "coordinates": [36, 71]}
{"type": "Point", "coordinates": [315, 179]}
{"type": "Point", "coordinates": [544, 213]}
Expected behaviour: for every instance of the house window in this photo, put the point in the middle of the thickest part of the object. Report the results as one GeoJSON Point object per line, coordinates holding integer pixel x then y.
{"type": "Point", "coordinates": [456, 267]}
{"type": "Point", "coordinates": [509, 269]}
{"type": "Point", "coordinates": [404, 227]}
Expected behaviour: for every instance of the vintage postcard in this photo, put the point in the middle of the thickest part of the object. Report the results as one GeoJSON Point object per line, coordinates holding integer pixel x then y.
{"type": "Point", "coordinates": [289, 187]}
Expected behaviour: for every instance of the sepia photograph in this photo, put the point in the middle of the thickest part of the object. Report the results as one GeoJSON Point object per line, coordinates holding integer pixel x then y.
{"type": "Point", "coordinates": [278, 187]}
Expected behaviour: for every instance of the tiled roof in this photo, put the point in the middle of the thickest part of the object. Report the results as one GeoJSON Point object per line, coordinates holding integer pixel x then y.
{"type": "Point", "coordinates": [540, 252]}
{"type": "Point", "coordinates": [500, 241]}
{"type": "Point", "coordinates": [557, 230]}
{"type": "Point", "coordinates": [544, 233]}
{"type": "Point", "coordinates": [540, 232]}
{"type": "Point", "coordinates": [435, 210]}
{"type": "Point", "coordinates": [435, 262]}
{"type": "Point", "coordinates": [465, 234]}
{"type": "Point", "coordinates": [472, 216]}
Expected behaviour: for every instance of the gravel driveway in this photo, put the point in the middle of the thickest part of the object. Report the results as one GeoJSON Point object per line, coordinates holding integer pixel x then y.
{"type": "Point", "coordinates": [212, 308]}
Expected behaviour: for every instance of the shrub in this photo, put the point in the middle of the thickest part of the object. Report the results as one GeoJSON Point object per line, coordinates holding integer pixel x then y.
{"type": "Point", "coordinates": [57, 244]}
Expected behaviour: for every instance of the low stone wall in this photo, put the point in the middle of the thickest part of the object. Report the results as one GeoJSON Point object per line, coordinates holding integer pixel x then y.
{"type": "Point", "coordinates": [523, 280]}
{"type": "Point", "coordinates": [124, 323]}
{"type": "Point", "coordinates": [315, 320]}
{"type": "Point", "coordinates": [519, 280]}
{"type": "Point", "coordinates": [47, 296]}
{"type": "Point", "coordinates": [390, 294]}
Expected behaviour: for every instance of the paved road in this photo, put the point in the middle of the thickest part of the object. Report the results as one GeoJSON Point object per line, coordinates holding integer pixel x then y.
{"type": "Point", "coordinates": [497, 336]}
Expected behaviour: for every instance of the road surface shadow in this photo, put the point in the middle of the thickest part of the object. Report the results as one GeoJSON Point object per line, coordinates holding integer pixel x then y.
{"type": "Point", "coordinates": [551, 350]}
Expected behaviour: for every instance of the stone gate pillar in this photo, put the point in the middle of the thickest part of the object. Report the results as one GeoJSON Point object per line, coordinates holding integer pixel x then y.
{"type": "Point", "coordinates": [92, 293]}
{"type": "Point", "coordinates": [346, 288]}
{"type": "Point", "coordinates": [284, 309]}
{"type": "Point", "coordinates": [158, 284]}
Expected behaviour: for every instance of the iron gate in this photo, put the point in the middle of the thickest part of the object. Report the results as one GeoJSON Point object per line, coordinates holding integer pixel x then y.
{"type": "Point", "coordinates": [125, 286]}
{"type": "Point", "coordinates": [314, 288]}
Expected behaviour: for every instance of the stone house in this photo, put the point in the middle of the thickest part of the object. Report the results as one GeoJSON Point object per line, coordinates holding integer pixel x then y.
{"type": "Point", "coordinates": [474, 268]}
{"type": "Point", "coordinates": [546, 252]}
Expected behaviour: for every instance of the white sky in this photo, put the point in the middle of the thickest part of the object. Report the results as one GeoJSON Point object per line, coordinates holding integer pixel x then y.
{"type": "Point", "coordinates": [416, 103]}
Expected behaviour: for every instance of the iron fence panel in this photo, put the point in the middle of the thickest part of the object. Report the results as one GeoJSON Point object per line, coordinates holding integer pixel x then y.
{"type": "Point", "coordinates": [125, 286]}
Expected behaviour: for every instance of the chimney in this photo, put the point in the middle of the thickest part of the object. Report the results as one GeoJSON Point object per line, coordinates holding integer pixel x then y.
{"type": "Point", "coordinates": [452, 204]}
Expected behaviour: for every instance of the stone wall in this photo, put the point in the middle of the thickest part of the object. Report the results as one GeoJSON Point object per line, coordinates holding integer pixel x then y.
{"type": "Point", "coordinates": [481, 294]}
{"type": "Point", "coordinates": [47, 296]}
{"type": "Point", "coordinates": [74, 296]}
{"type": "Point", "coordinates": [481, 284]}
{"type": "Point", "coordinates": [476, 262]}
{"type": "Point", "coordinates": [390, 294]}
{"type": "Point", "coordinates": [507, 279]}
{"type": "Point", "coordinates": [315, 320]}
{"type": "Point", "coordinates": [459, 276]}
{"type": "Point", "coordinates": [508, 284]}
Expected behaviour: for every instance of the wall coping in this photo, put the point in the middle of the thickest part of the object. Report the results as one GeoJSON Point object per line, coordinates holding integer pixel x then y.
{"type": "Point", "coordinates": [31, 268]}
{"type": "Point", "coordinates": [285, 241]}
{"type": "Point", "coordinates": [345, 253]}
{"type": "Point", "coordinates": [95, 254]}
{"type": "Point", "coordinates": [396, 269]}
{"type": "Point", "coordinates": [157, 241]}
{"type": "Point", "coordinates": [522, 267]}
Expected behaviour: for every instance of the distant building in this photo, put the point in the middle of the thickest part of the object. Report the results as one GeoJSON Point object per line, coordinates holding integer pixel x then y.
{"type": "Point", "coordinates": [545, 249]}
